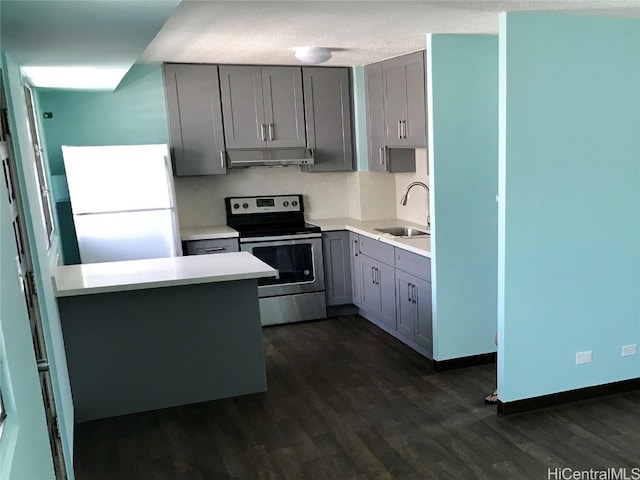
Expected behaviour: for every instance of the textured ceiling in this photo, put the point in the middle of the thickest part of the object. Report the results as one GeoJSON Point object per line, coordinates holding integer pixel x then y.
{"type": "Point", "coordinates": [359, 32]}
{"type": "Point", "coordinates": [113, 34]}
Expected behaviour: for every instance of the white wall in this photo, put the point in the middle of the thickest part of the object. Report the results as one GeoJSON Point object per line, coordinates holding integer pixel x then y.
{"type": "Point", "coordinates": [26, 452]}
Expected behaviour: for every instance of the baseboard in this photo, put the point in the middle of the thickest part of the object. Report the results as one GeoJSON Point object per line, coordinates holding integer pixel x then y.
{"type": "Point", "coordinates": [463, 362]}
{"type": "Point", "coordinates": [551, 400]}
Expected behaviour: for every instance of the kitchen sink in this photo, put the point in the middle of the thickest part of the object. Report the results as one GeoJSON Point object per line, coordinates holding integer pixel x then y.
{"type": "Point", "coordinates": [405, 232]}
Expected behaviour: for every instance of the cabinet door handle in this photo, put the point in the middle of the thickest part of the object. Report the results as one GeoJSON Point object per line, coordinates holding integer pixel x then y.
{"type": "Point", "coordinates": [413, 293]}
{"type": "Point", "coordinates": [373, 275]}
{"type": "Point", "coordinates": [222, 158]}
{"type": "Point", "coordinates": [409, 292]}
{"type": "Point", "coordinates": [271, 132]}
{"type": "Point", "coordinates": [377, 276]}
{"type": "Point", "coordinates": [215, 249]}
{"type": "Point", "coordinates": [355, 248]}
{"type": "Point", "coordinates": [263, 132]}
{"type": "Point", "coordinates": [381, 155]}
{"type": "Point", "coordinates": [399, 128]}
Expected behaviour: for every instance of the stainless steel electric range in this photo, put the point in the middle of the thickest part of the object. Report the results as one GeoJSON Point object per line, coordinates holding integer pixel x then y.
{"type": "Point", "coordinates": [273, 229]}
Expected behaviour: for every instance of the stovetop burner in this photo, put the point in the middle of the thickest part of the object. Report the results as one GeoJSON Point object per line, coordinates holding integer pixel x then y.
{"type": "Point", "coordinates": [268, 215]}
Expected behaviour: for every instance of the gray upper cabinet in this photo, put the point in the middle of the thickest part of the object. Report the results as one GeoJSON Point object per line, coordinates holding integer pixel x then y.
{"type": "Point", "coordinates": [262, 106]}
{"type": "Point", "coordinates": [337, 268]}
{"type": "Point", "coordinates": [404, 101]}
{"type": "Point", "coordinates": [327, 104]}
{"type": "Point", "coordinates": [381, 158]}
{"type": "Point", "coordinates": [195, 119]}
{"type": "Point", "coordinates": [375, 117]}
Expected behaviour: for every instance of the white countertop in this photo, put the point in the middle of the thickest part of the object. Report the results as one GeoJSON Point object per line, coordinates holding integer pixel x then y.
{"type": "Point", "coordinates": [71, 280]}
{"type": "Point", "coordinates": [420, 245]}
{"type": "Point", "coordinates": [206, 233]}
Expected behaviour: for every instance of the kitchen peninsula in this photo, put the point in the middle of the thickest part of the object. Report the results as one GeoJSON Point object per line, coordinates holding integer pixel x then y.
{"type": "Point", "coordinates": [148, 334]}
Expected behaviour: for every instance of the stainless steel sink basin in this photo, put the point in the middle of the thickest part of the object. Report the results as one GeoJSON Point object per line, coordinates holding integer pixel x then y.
{"type": "Point", "coordinates": [405, 232]}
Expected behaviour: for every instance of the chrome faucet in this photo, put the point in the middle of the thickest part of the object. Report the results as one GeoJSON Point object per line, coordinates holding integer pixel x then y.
{"type": "Point", "coordinates": [405, 197]}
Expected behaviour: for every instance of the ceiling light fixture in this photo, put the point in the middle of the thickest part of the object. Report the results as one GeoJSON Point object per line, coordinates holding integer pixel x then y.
{"type": "Point", "coordinates": [313, 54]}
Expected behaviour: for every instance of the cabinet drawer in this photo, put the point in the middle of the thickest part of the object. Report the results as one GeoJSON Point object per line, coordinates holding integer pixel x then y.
{"type": "Point", "coordinates": [414, 264]}
{"type": "Point", "coordinates": [205, 247]}
{"type": "Point", "coordinates": [377, 250]}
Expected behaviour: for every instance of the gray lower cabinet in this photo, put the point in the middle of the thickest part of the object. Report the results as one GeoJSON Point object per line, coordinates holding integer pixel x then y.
{"type": "Point", "coordinates": [392, 288]}
{"type": "Point", "coordinates": [378, 290]}
{"type": "Point", "coordinates": [413, 293]}
{"type": "Point", "coordinates": [356, 276]}
{"type": "Point", "coordinates": [206, 247]}
{"type": "Point", "coordinates": [337, 267]}
{"type": "Point", "coordinates": [406, 305]}
{"type": "Point", "coordinates": [414, 309]}
{"type": "Point", "coordinates": [195, 119]}
{"type": "Point", "coordinates": [424, 319]}
{"type": "Point", "coordinates": [327, 106]}
{"type": "Point", "coordinates": [262, 106]}
{"type": "Point", "coordinates": [404, 101]}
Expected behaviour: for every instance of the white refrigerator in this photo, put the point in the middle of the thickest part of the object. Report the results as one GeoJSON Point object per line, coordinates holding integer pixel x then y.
{"type": "Point", "coordinates": [123, 202]}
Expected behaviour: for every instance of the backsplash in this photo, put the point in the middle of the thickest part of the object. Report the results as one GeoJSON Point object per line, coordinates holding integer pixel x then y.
{"type": "Point", "coordinates": [359, 195]}
{"type": "Point", "coordinates": [201, 199]}
{"type": "Point", "coordinates": [416, 209]}
{"type": "Point", "coordinates": [371, 195]}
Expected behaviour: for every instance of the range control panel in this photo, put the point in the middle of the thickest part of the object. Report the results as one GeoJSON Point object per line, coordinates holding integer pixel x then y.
{"type": "Point", "coordinates": [269, 204]}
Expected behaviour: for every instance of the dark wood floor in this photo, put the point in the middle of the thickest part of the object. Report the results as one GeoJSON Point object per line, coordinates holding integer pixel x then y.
{"type": "Point", "coordinates": [346, 401]}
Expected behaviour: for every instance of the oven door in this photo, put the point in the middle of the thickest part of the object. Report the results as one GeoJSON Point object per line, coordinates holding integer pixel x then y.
{"type": "Point", "coordinates": [298, 260]}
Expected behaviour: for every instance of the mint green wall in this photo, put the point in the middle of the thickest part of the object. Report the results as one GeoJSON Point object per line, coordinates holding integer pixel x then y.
{"type": "Point", "coordinates": [463, 157]}
{"type": "Point", "coordinates": [135, 113]}
{"type": "Point", "coordinates": [569, 220]}
{"type": "Point", "coordinates": [360, 119]}
{"type": "Point", "coordinates": [26, 448]}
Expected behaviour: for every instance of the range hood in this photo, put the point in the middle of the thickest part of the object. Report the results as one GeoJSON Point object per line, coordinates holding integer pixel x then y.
{"type": "Point", "coordinates": [272, 157]}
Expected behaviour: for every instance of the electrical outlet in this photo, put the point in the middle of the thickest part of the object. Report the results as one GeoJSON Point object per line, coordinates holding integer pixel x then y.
{"type": "Point", "coordinates": [628, 350]}
{"type": "Point", "coordinates": [583, 357]}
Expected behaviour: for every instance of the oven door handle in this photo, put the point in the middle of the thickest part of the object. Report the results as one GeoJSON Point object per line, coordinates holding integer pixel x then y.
{"type": "Point", "coordinates": [272, 238]}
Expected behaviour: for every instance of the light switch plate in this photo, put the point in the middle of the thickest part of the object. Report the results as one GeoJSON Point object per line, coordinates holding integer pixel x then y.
{"type": "Point", "coordinates": [583, 357]}
{"type": "Point", "coordinates": [628, 350]}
